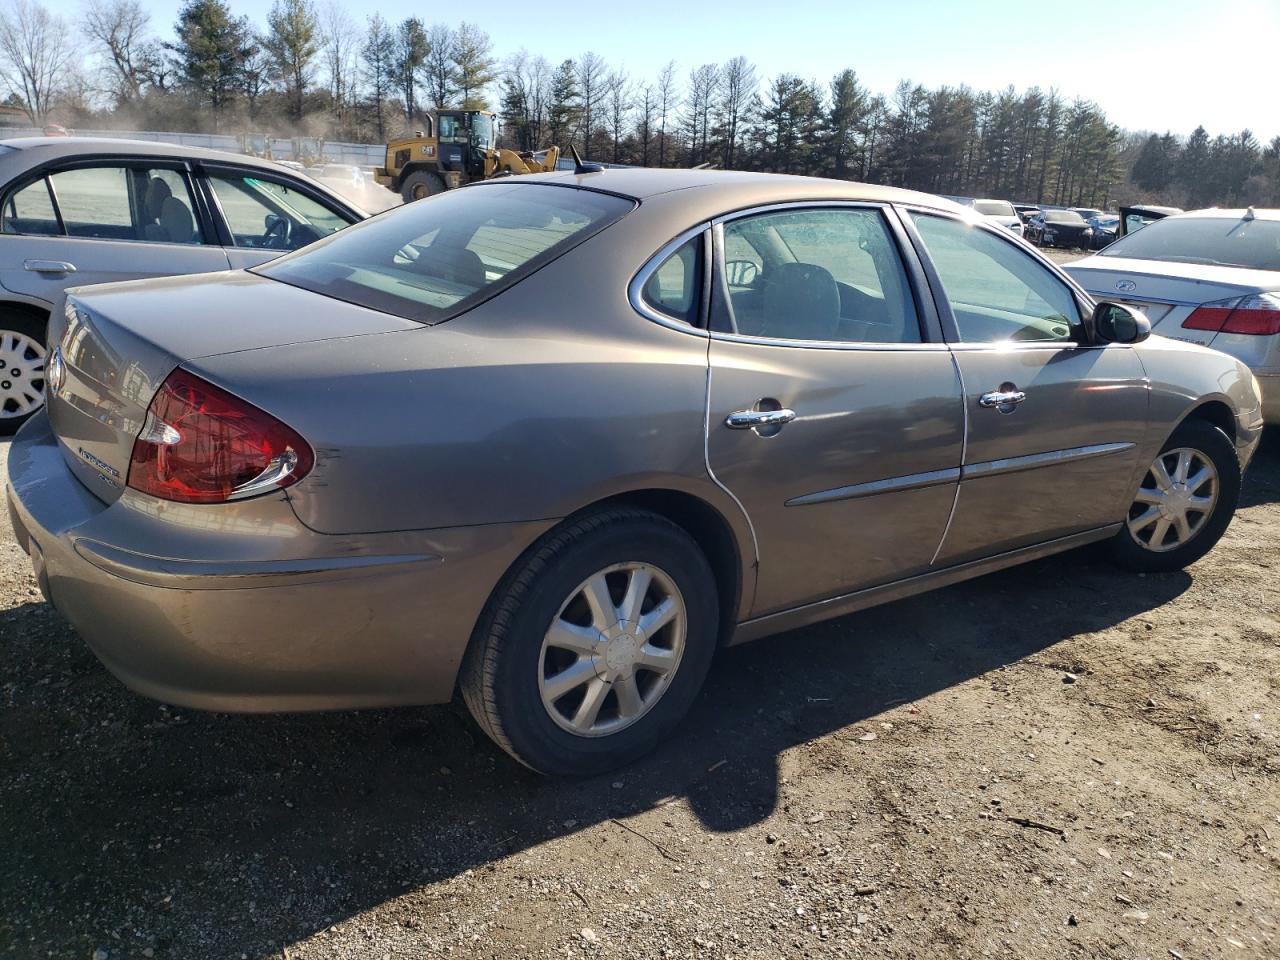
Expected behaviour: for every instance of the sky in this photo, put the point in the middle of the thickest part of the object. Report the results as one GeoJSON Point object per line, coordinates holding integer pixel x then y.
{"type": "Point", "coordinates": [1150, 64]}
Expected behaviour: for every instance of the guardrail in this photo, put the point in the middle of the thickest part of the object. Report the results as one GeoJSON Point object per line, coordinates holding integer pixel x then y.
{"type": "Point", "coordinates": [282, 148]}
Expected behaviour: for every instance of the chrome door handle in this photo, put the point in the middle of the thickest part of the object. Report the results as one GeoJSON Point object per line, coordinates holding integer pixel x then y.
{"type": "Point", "coordinates": [746, 419]}
{"type": "Point", "coordinates": [48, 266]}
{"type": "Point", "coordinates": [1001, 398]}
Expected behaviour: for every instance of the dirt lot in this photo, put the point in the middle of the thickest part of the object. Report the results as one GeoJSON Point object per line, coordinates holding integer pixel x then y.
{"type": "Point", "coordinates": [1056, 761]}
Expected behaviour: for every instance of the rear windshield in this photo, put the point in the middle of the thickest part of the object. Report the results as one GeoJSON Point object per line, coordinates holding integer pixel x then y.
{"type": "Point", "coordinates": [994, 208]}
{"type": "Point", "coordinates": [433, 259]}
{"type": "Point", "coordinates": [1063, 216]}
{"type": "Point", "coordinates": [1222, 241]}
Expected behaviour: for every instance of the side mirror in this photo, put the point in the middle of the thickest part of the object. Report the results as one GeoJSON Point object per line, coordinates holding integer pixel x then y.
{"type": "Point", "coordinates": [1116, 323]}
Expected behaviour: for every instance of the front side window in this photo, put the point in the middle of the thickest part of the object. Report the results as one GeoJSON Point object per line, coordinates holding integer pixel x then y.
{"type": "Point", "coordinates": [271, 215]}
{"type": "Point", "coordinates": [675, 288]}
{"type": "Point", "coordinates": [431, 260]}
{"type": "Point", "coordinates": [997, 291]}
{"type": "Point", "coordinates": [818, 274]}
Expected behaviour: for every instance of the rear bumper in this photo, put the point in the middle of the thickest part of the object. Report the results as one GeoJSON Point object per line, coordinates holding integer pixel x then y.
{"type": "Point", "coordinates": [245, 609]}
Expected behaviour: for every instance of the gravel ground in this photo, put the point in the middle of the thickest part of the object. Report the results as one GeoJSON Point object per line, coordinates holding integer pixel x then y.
{"type": "Point", "coordinates": [1060, 760]}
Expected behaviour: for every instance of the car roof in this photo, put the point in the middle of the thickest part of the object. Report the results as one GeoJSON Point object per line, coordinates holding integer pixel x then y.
{"type": "Point", "coordinates": [1217, 213]}
{"type": "Point", "coordinates": [56, 148]}
{"type": "Point", "coordinates": [641, 183]}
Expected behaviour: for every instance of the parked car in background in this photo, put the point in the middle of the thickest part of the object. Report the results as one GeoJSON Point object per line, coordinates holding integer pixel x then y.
{"type": "Point", "coordinates": [515, 440]}
{"type": "Point", "coordinates": [1026, 211]}
{"type": "Point", "coordinates": [1088, 213]}
{"type": "Point", "coordinates": [1133, 219]}
{"type": "Point", "coordinates": [1059, 228]}
{"type": "Point", "coordinates": [76, 211]}
{"type": "Point", "coordinates": [1210, 277]}
{"type": "Point", "coordinates": [1105, 229]}
{"type": "Point", "coordinates": [1000, 212]}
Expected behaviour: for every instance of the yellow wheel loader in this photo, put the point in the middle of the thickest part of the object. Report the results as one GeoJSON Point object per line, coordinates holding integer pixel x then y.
{"type": "Point", "coordinates": [456, 148]}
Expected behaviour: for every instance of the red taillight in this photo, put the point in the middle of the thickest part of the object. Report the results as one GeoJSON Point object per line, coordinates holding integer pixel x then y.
{"type": "Point", "coordinates": [1256, 315]}
{"type": "Point", "coordinates": [201, 444]}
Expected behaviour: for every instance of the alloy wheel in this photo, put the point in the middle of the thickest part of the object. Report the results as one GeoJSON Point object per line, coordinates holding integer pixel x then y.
{"type": "Point", "coordinates": [1175, 500]}
{"type": "Point", "coordinates": [21, 374]}
{"type": "Point", "coordinates": [612, 650]}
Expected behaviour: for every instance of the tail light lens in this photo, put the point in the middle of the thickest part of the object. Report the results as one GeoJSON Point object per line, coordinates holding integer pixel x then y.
{"type": "Point", "coordinates": [200, 444]}
{"type": "Point", "coordinates": [1254, 315]}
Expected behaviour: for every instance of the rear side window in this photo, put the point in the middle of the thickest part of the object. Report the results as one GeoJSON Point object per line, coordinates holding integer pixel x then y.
{"type": "Point", "coordinates": [433, 259]}
{"type": "Point", "coordinates": [675, 288]}
{"type": "Point", "coordinates": [110, 202]}
{"type": "Point", "coordinates": [30, 210]}
{"type": "Point", "coordinates": [94, 202]}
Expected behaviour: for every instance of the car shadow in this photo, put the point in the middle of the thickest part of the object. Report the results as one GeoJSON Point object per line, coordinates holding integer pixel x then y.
{"type": "Point", "coordinates": [1262, 480]}
{"type": "Point", "coordinates": [224, 835]}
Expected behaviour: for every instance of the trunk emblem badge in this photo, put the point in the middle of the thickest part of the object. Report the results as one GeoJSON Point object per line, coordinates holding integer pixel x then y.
{"type": "Point", "coordinates": [1126, 285]}
{"type": "Point", "coordinates": [57, 372]}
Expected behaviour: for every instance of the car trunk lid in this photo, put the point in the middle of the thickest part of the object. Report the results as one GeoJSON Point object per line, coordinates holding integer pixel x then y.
{"type": "Point", "coordinates": [118, 342]}
{"type": "Point", "coordinates": [1168, 291]}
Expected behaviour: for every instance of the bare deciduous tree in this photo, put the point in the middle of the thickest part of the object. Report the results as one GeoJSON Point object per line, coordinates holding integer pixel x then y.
{"type": "Point", "coordinates": [120, 30]}
{"type": "Point", "coordinates": [35, 52]}
{"type": "Point", "coordinates": [440, 80]}
{"type": "Point", "coordinates": [339, 39]}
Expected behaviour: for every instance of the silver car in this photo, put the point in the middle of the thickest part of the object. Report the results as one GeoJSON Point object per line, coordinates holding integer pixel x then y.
{"type": "Point", "coordinates": [75, 211]}
{"type": "Point", "coordinates": [1210, 277]}
{"type": "Point", "coordinates": [553, 440]}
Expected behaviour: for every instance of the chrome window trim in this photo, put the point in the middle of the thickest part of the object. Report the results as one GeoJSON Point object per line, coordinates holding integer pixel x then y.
{"type": "Point", "coordinates": [635, 289]}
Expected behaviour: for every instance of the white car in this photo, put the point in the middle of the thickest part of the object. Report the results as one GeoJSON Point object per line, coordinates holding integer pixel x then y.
{"type": "Point", "coordinates": [1208, 276]}
{"type": "Point", "coordinates": [1001, 212]}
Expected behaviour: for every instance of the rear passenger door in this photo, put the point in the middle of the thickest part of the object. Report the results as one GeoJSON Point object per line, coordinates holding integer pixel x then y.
{"type": "Point", "coordinates": [95, 222]}
{"type": "Point", "coordinates": [835, 413]}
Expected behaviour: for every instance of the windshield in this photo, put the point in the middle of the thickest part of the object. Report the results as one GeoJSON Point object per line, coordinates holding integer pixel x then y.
{"type": "Point", "coordinates": [431, 260]}
{"type": "Point", "coordinates": [994, 208]}
{"type": "Point", "coordinates": [1063, 216]}
{"type": "Point", "coordinates": [1254, 244]}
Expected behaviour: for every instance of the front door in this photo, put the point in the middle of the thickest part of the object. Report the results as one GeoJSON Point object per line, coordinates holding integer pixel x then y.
{"type": "Point", "coordinates": [832, 419]}
{"type": "Point", "coordinates": [1054, 423]}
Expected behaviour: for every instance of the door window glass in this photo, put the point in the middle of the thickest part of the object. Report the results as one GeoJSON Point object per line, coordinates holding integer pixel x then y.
{"type": "Point", "coordinates": [95, 202]}
{"type": "Point", "coordinates": [30, 210]}
{"type": "Point", "coordinates": [997, 292]}
{"type": "Point", "coordinates": [269, 215]}
{"type": "Point", "coordinates": [832, 275]}
{"type": "Point", "coordinates": [675, 288]}
{"type": "Point", "coordinates": [126, 203]}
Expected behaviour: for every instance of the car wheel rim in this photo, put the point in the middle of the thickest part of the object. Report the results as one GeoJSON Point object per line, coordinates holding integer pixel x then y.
{"type": "Point", "coordinates": [612, 650]}
{"type": "Point", "coordinates": [1175, 500]}
{"type": "Point", "coordinates": [21, 375]}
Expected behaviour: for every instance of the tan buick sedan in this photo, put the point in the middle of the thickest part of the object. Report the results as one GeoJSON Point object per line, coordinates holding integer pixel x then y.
{"type": "Point", "coordinates": [551, 441]}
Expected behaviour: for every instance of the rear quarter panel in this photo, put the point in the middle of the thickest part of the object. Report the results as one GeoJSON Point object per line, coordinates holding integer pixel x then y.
{"type": "Point", "coordinates": [552, 396]}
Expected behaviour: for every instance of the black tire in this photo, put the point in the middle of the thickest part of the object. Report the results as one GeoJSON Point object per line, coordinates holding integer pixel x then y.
{"type": "Point", "coordinates": [500, 673]}
{"type": "Point", "coordinates": [1216, 446]}
{"type": "Point", "coordinates": [34, 329]}
{"type": "Point", "coordinates": [419, 185]}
